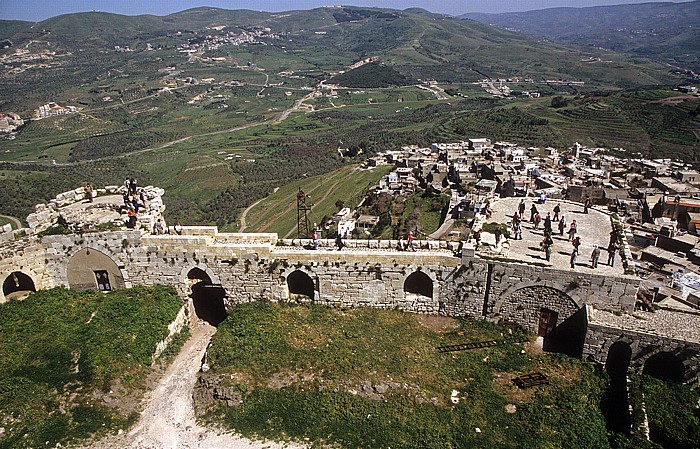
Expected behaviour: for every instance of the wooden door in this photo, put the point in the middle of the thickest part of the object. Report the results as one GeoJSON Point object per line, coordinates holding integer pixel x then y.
{"type": "Point", "coordinates": [548, 321]}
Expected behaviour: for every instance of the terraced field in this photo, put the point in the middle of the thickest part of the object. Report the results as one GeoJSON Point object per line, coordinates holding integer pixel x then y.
{"type": "Point", "coordinates": [604, 124]}
{"type": "Point", "coordinates": [277, 213]}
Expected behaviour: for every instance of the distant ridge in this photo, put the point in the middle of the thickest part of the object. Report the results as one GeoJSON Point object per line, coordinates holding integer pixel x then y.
{"type": "Point", "coordinates": [665, 31]}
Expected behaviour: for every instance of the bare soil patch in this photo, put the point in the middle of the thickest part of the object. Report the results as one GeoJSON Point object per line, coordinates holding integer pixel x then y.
{"type": "Point", "coordinates": [438, 323]}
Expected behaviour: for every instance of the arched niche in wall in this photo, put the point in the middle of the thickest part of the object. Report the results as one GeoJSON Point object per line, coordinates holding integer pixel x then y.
{"type": "Point", "coordinates": [665, 366]}
{"type": "Point", "coordinates": [17, 284]}
{"type": "Point", "coordinates": [418, 283]}
{"type": "Point", "coordinates": [92, 269]}
{"type": "Point", "coordinates": [301, 286]}
{"type": "Point", "coordinates": [207, 298]}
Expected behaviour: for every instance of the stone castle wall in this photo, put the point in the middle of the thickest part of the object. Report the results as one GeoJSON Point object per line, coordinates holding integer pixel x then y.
{"type": "Point", "coordinates": [255, 266]}
{"type": "Point", "coordinates": [600, 338]}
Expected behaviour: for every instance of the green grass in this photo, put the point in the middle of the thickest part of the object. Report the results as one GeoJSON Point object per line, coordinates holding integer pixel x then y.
{"type": "Point", "coordinates": [277, 212]}
{"type": "Point", "coordinates": [62, 351]}
{"type": "Point", "coordinates": [300, 371]}
{"type": "Point", "coordinates": [672, 410]}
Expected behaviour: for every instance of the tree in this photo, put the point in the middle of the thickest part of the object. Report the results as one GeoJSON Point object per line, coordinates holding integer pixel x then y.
{"type": "Point", "coordinates": [340, 204]}
{"type": "Point", "coordinates": [559, 102]}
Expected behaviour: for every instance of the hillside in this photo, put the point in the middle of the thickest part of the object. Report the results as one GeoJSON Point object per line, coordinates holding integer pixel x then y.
{"type": "Point", "coordinates": [420, 44]}
{"type": "Point", "coordinates": [663, 31]}
{"type": "Point", "coordinates": [221, 107]}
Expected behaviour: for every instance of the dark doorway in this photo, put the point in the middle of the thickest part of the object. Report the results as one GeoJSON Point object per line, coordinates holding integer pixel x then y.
{"type": "Point", "coordinates": [615, 404]}
{"type": "Point", "coordinates": [665, 366]}
{"type": "Point", "coordinates": [419, 283]}
{"type": "Point", "coordinates": [207, 298]}
{"type": "Point", "coordinates": [300, 284]}
{"type": "Point", "coordinates": [566, 338]}
{"type": "Point", "coordinates": [548, 321]}
{"type": "Point", "coordinates": [17, 284]}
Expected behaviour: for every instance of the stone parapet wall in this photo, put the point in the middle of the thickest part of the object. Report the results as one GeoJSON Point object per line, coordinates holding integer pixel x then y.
{"type": "Point", "coordinates": [255, 266]}
{"type": "Point", "coordinates": [431, 245]}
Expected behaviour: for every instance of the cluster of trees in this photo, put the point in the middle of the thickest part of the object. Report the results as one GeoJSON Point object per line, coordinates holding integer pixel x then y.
{"type": "Point", "coordinates": [372, 75]}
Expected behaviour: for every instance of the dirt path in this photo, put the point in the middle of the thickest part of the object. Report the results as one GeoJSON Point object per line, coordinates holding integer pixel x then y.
{"type": "Point", "coordinates": [168, 421]}
{"type": "Point", "coordinates": [245, 214]}
{"type": "Point", "coordinates": [17, 224]}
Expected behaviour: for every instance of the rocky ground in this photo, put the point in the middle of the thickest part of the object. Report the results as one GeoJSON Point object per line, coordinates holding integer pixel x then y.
{"type": "Point", "coordinates": [168, 420]}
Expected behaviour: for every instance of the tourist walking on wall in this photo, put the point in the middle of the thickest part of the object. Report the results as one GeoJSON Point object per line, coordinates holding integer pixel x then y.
{"type": "Point", "coordinates": [178, 228]}
{"type": "Point", "coordinates": [562, 225]}
{"type": "Point", "coordinates": [314, 238]}
{"type": "Point", "coordinates": [339, 242]}
{"type": "Point", "coordinates": [576, 242]}
{"type": "Point", "coordinates": [547, 246]}
{"type": "Point", "coordinates": [159, 228]}
{"type": "Point", "coordinates": [612, 249]}
{"type": "Point", "coordinates": [595, 255]}
{"type": "Point", "coordinates": [538, 219]}
{"type": "Point", "coordinates": [586, 205]}
{"type": "Point", "coordinates": [88, 192]}
{"type": "Point", "coordinates": [521, 209]}
{"type": "Point", "coordinates": [132, 218]}
{"type": "Point", "coordinates": [573, 229]}
{"type": "Point", "coordinates": [557, 210]}
{"type": "Point", "coordinates": [533, 211]}
{"type": "Point", "coordinates": [548, 225]}
{"type": "Point", "coordinates": [409, 241]}
{"type": "Point", "coordinates": [517, 228]}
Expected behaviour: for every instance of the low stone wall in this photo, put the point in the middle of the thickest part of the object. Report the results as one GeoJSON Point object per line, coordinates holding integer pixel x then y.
{"type": "Point", "coordinates": [46, 214]}
{"type": "Point", "coordinates": [174, 327]}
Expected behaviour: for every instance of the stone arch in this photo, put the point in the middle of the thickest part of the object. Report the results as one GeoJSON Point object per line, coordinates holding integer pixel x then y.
{"type": "Point", "coordinates": [665, 366]}
{"type": "Point", "coordinates": [89, 268]}
{"type": "Point", "coordinates": [300, 284]}
{"type": "Point", "coordinates": [419, 283]}
{"type": "Point", "coordinates": [539, 308]}
{"type": "Point", "coordinates": [603, 351]}
{"type": "Point", "coordinates": [184, 274]}
{"type": "Point", "coordinates": [17, 284]}
{"type": "Point", "coordinates": [207, 297]}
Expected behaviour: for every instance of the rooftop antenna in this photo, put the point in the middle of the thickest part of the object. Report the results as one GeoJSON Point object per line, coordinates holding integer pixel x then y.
{"type": "Point", "coordinates": [303, 225]}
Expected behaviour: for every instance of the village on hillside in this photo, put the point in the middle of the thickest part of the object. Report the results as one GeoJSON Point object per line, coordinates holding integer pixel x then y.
{"type": "Point", "coordinates": [653, 205]}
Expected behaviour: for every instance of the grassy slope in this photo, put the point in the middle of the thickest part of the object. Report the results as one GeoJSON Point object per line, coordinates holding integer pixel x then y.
{"type": "Point", "coordinates": [295, 367]}
{"type": "Point", "coordinates": [61, 351]}
{"type": "Point", "coordinates": [277, 212]}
